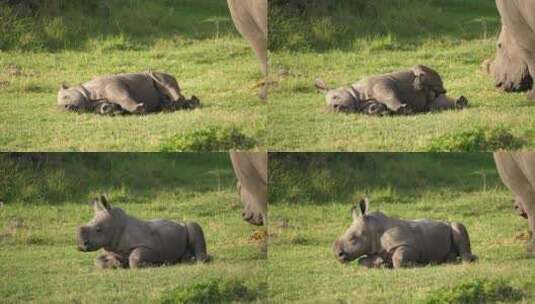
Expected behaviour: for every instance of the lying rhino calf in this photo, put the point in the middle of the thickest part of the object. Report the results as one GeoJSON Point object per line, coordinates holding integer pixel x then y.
{"type": "Point", "coordinates": [129, 242]}
{"type": "Point", "coordinates": [379, 240]}
{"type": "Point", "coordinates": [126, 93]}
{"type": "Point", "coordinates": [417, 90]}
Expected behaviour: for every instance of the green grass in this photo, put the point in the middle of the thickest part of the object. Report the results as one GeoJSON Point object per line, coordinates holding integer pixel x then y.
{"type": "Point", "coordinates": [453, 37]}
{"type": "Point", "coordinates": [44, 202]}
{"type": "Point", "coordinates": [218, 67]}
{"type": "Point", "coordinates": [302, 268]}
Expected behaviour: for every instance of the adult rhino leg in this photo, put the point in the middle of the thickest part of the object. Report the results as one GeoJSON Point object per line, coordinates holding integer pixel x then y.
{"type": "Point", "coordinates": [461, 242]}
{"type": "Point", "coordinates": [197, 242]}
{"type": "Point", "coordinates": [404, 256]}
{"type": "Point", "coordinates": [512, 168]}
{"type": "Point", "coordinates": [250, 18]}
{"type": "Point", "coordinates": [251, 171]}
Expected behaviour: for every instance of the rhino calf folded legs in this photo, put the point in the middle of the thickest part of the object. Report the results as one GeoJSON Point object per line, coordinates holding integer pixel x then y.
{"type": "Point", "coordinates": [377, 240]}
{"type": "Point", "coordinates": [126, 93]}
{"type": "Point", "coordinates": [130, 242]}
{"type": "Point", "coordinates": [416, 90]}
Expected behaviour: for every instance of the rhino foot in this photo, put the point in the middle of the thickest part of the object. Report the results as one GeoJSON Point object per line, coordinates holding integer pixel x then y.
{"type": "Point", "coordinates": [461, 103]}
{"type": "Point", "coordinates": [108, 261]}
{"type": "Point", "coordinates": [252, 217]}
{"type": "Point", "coordinates": [376, 109]}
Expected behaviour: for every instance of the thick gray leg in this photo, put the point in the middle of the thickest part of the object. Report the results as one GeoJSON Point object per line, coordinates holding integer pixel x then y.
{"type": "Point", "coordinates": [384, 94]}
{"type": "Point", "coordinates": [461, 242]}
{"type": "Point", "coordinates": [118, 93]}
{"type": "Point", "coordinates": [143, 257]}
{"type": "Point", "coordinates": [109, 260]}
{"type": "Point", "coordinates": [196, 242]}
{"type": "Point", "coordinates": [404, 257]}
{"type": "Point", "coordinates": [373, 261]}
{"type": "Point", "coordinates": [512, 175]}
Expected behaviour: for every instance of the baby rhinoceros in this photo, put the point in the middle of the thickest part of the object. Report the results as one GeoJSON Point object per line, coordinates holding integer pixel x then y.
{"type": "Point", "coordinates": [130, 242]}
{"type": "Point", "coordinates": [378, 240]}
{"type": "Point", "coordinates": [143, 92]}
{"type": "Point", "coordinates": [416, 90]}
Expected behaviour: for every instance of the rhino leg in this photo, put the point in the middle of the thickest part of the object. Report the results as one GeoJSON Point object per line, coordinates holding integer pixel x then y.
{"type": "Point", "coordinates": [197, 243]}
{"type": "Point", "coordinates": [118, 93]}
{"type": "Point", "coordinates": [444, 102]}
{"type": "Point", "coordinates": [143, 257]}
{"type": "Point", "coordinates": [383, 93]}
{"type": "Point", "coordinates": [109, 260]}
{"type": "Point", "coordinates": [404, 256]}
{"type": "Point", "coordinates": [461, 242]}
{"type": "Point", "coordinates": [373, 261]}
{"type": "Point", "coordinates": [509, 167]}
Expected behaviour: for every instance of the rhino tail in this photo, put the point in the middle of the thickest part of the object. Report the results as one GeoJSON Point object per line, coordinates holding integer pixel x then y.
{"type": "Point", "coordinates": [196, 242]}
{"type": "Point", "coordinates": [461, 242]}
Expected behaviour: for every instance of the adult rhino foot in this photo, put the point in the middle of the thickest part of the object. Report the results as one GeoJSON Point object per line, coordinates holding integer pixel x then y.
{"type": "Point", "coordinates": [461, 103]}
{"type": "Point", "coordinates": [252, 217]}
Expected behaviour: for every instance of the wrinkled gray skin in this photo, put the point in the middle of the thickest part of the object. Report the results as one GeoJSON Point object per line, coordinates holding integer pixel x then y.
{"type": "Point", "coordinates": [378, 240]}
{"type": "Point", "coordinates": [419, 89]}
{"type": "Point", "coordinates": [517, 171]}
{"type": "Point", "coordinates": [250, 18]}
{"type": "Point", "coordinates": [130, 242]}
{"type": "Point", "coordinates": [514, 63]}
{"type": "Point", "coordinates": [251, 171]}
{"type": "Point", "coordinates": [134, 93]}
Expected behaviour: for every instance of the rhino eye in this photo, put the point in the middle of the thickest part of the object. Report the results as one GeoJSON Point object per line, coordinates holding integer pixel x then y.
{"type": "Point", "coordinates": [499, 45]}
{"type": "Point", "coordinates": [98, 229]}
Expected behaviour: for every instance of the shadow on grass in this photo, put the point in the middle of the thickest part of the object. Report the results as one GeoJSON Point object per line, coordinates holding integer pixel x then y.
{"type": "Point", "coordinates": [66, 177]}
{"type": "Point", "coordinates": [110, 25]}
{"type": "Point", "coordinates": [319, 178]}
{"type": "Point", "coordinates": [400, 24]}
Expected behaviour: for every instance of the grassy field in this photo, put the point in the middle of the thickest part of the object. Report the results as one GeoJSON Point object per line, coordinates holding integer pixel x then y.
{"type": "Point", "coordinates": [45, 202]}
{"type": "Point", "coordinates": [453, 37]}
{"type": "Point", "coordinates": [466, 188]}
{"type": "Point", "coordinates": [193, 40]}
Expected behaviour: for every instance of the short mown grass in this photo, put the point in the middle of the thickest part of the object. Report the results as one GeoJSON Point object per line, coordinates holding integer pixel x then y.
{"type": "Point", "coordinates": [451, 187]}
{"type": "Point", "coordinates": [45, 200]}
{"type": "Point", "coordinates": [208, 58]}
{"type": "Point", "coordinates": [348, 44]}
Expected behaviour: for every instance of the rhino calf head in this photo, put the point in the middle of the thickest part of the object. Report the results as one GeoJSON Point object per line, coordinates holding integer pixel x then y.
{"type": "Point", "coordinates": [338, 100]}
{"type": "Point", "coordinates": [101, 230]}
{"type": "Point", "coordinates": [357, 240]}
{"type": "Point", "coordinates": [73, 98]}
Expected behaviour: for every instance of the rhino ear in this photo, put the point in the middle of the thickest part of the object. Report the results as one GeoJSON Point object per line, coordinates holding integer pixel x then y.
{"type": "Point", "coordinates": [419, 73]}
{"type": "Point", "coordinates": [63, 86]}
{"type": "Point", "coordinates": [321, 85]}
{"type": "Point", "coordinates": [364, 205]}
{"type": "Point", "coordinates": [100, 204]}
